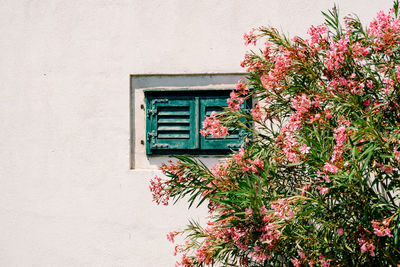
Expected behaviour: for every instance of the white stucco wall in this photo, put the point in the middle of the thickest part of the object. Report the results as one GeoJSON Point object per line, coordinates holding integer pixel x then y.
{"type": "Point", "coordinates": [67, 194]}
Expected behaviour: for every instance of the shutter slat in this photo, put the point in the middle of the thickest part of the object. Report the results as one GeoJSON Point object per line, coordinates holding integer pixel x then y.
{"type": "Point", "coordinates": [173, 127]}
{"type": "Point", "coordinates": [233, 134]}
{"type": "Point", "coordinates": [176, 135]}
{"type": "Point", "coordinates": [210, 109]}
{"type": "Point", "coordinates": [175, 119]}
{"type": "Point", "coordinates": [174, 111]}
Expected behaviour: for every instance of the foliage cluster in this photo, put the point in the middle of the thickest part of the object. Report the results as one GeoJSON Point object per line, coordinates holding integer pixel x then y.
{"type": "Point", "coordinates": [317, 182]}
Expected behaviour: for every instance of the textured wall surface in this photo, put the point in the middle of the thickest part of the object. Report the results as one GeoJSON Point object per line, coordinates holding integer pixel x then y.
{"type": "Point", "coordinates": [67, 194]}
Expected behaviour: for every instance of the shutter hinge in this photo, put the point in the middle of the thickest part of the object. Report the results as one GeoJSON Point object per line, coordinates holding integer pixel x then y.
{"type": "Point", "coordinates": [160, 100]}
{"type": "Point", "coordinates": [233, 146]}
{"type": "Point", "coordinates": [153, 111]}
{"type": "Point", "coordinates": [160, 146]}
{"type": "Point", "coordinates": [151, 136]}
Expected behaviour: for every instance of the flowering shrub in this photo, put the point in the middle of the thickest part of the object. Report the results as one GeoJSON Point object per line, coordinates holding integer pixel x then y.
{"type": "Point", "coordinates": [317, 181]}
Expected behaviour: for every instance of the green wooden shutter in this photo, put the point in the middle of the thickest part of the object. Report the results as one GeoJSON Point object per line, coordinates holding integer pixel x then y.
{"type": "Point", "coordinates": [232, 141]}
{"type": "Point", "coordinates": [172, 123]}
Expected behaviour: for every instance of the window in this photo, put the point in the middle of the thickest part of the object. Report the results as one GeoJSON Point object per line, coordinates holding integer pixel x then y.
{"type": "Point", "coordinates": [174, 119]}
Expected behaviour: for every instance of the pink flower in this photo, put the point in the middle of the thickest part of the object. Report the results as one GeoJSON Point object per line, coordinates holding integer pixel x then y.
{"type": "Point", "coordinates": [301, 104]}
{"type": "Point", "coordinates": [387, 232]}
{"type": "Point", "coordinates": [159, 191]}
{"type": "Point", "coordinates": [385, 31]}
{"type": "Point", "coordinates": [381, 228]}
{"type": "Point", "coordinates": [259, 163]}
{"type": "Point", "coordinates": [366, 246]}
{"type": "Point", "coordinates": [254, 166]}
{"type": "Point", "coordinates": [330, 167]}
{"type": "Point", "coordinates": [324, 262]}
{"type": "Point", "coordinates": [212, 126]}
{"type": "Point", "coordinates": [322, 190]}
{"type": "Point", "coordinates": [328, 115]}
{"type": "Point", "coordinates": [398, 73]}
{"type": "Point", "coordinates": [249, 211]}
{"type": "Point", "coordinates": [341, 136]}
{"type": "Point", "coordinates": [241, 88]}
{"type": "Point", "coordinates": [185, 262]}
{"type": "Point", "coordinates": [397, 155]}
{"type": "Point", "coordinates": [296, 262]}
{"type": "Point", "coordinates": [340, 231]}
{"type": "Point", "coordinates": [360, 51]}
{"type": "Point", "coordinates": [304, 149]}
{"type": "Point", "coordinates": [239, 157]}
{"type": "Point", "coordinates": [315, 118]}
{"type": "Point", "coordinates": [326, 178]}
{"type": "Point", "coordinates": [258, 255]}
{"type": "Point", "coordinates": [317, 34]}
{"type": "Point", "coordinates": [386, 169]}
{"type": "Point", "coordinates": [289, 145]}
{"type": "Point", "coordinates": [335, 54]}
{"type": "Point", "coordinates": [171, 236]}
{"type": "Point", "coordinates": [282, 209]}
{"type": "Point", "coordinates": [256, 112]}
{"type": "Point", "coordinates": [250, 38]}
{"type": "Point", "coordinates": [235, 101]}
{"type": "Point", "coordinates": [273, 79]}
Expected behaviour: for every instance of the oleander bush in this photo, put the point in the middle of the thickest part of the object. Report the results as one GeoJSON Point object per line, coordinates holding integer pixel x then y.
{"type": "Point", "coordinates": [317, 180]}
